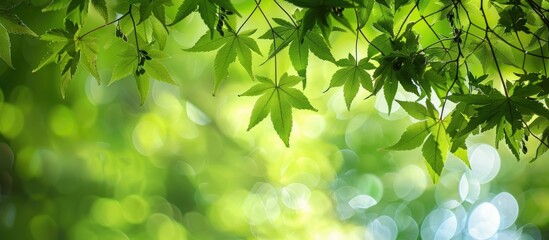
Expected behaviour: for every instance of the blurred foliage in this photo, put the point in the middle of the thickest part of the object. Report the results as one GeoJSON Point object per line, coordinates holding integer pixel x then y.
{"type": "Point", "coordinates": [97, 165]}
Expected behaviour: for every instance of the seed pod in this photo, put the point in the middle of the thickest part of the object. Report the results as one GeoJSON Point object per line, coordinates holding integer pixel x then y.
{"type": "Point", "coordinates": [147, 57]}
{"type": "Point", "coordinates": [142, 71]}
{"type": "Point", "coordinates": [524, 149]}
{"type": "Point", "coordinates": [124, 38]}
{"type": "Point", "coordinates": [450, 17]}
{"type": "Point", "coordinates": [397, 64]}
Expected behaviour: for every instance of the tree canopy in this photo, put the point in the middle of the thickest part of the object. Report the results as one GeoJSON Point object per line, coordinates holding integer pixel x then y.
{"type": "Point", "coordinates": [471, 66]}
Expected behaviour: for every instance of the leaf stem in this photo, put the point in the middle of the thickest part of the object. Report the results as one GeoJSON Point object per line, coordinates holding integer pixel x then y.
{"type": "Point", "coordinates": [356, 38]}
{"type": "Point", "coordinates": [486, 30]}
{"type": "Point", "coordinates": [248, 18]}
{"type": "Point", "coordinates": [135, 32]}
{"type": "Point", "coordinates": [104, 25]}
{"type": "Point", "coordinates": [274, 41]}
{"type": "Point", "coordinates": [405, 19]}
{"type": "Point", "coordinates": [370, 43]}
{"type": "Point", "coordinates": [286, 12]}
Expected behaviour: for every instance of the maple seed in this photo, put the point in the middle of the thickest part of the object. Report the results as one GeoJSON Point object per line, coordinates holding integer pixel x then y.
{"type": "Point", "coordinates": [450, 17]}
{"type": "Point", "coordinates": [397, 64]}
{"type": "Point", "coordinates": [337, 11]}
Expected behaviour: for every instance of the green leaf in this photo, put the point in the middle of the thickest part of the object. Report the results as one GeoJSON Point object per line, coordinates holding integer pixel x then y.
{"type": "Point", "coordinates": [227, 5]}
{"type": "Point", "coordinates": [70, 64]}
{"type": "Point", "coordinates": [206, 44]}
{"type": "Point", "coordinates": [10, 4]}
{"type": "Point", "coordinates": [88, 57]}
{"type": "Point", "coordinates": [143, 85]}
{"type": "Point", "coordinates": [513, 19]}
{"type": "Point", "coordinates": [14, 25]}
{"type": "Point", "coordinates": [261, 108]}
{"type": "Point", "coordinates": [232, 46]}
{"type": "Point", "coordinates": [364, 13]}
{"type": "Point", "coordinates": [431, 109]}
{"type": "Point", "coordinates": [413, 137]}
{"type": "Point", "coordinates": [434, 176]}
{"type": "Point", "coordinates": [56, 35]}
{"type": "Point", "coordinates": [513, 140]}
{"type": "Point", "coordinates": [297, 99]}
{"type": "Point", "coordinates": [278, 101]}
{"type": "Point", "coordinates": [299, 56]}
{"type": "Point", "coordinates": [281, 116]}
{"type": "Point", "coordinates": [351, 88]}
{"type": "Point", "coordinates": [390, 89]}
{"type": "Point", "coordinates": [256, 90]}
{"type": "Point", "coordinates": [385, 24]}
{"type": "Point", "coordinates": [529, 106]}
{"type": "Point", "coordinates": [434, 151]}
{"type": "Point", "coordinates": [157, 54]}
{"type": "Point", "coordinates": [308, 22]}
{"type": "Point", "coordinates": [159, 72]}
{"type": "Point", "coordinates": [225, 56]}
{"type": "Point", "coordinates": [244, 57]}
{"type": "Point", "coordinates": [101, 7]}
{"type": "Point", "coordinates": [5, 46]}
{"type": "Point", "coordinates": [318, 47]}
{"type": "Point", "coordinates": [123, 68]}
{"type": "Point", "coordinates": [51, 56]}
{"type": "Point", "coordinates": [65, 80]}
{"type": "Point", "coordinates": [415, 110]}
{"type": "Point", "coordinates": [400, 3]}
{"type": "Point", "coordinates": [208, 13]}
{"type": "Point", "coordinates": [543, 145]}
{"type": "Point", "coordinates": [159, 32]}
{"type": "Point", "coordinates": [56, 5]}
{"type": "Point", "coordinates": [351, 76]}
{"type": "Point", "coordinates": [461, 153]}
{"type": "Point", "coordinates": [289, 81]}
{"type": "Point", "coordinates": [186, 8]}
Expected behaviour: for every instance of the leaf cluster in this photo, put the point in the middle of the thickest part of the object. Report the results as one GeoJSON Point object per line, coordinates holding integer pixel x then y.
{"type": "Point", "coordinates": [435, 50]}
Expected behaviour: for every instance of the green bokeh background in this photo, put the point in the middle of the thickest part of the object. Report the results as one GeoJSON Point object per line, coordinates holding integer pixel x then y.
{"type": "Point", "coordinates": [96, 165]}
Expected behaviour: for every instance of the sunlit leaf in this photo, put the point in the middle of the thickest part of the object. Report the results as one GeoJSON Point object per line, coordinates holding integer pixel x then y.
{"type": "Point", "coordinates": [277, 100]}
{"type": "Point", "coordinates": [413, 137]}
{"type": "Point", "coordinates": [5, 46]}
{"type": "Point", "coordinates": [14, 25]}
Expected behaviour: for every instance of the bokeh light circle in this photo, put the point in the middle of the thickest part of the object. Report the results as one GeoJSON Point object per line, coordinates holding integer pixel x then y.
{"type": "Point", "coordinates": [483, 221]}
{"type": "Point", "coordinates": [295, 196]}
{"type": "Point", "coordinates": [383, 228]}
{"type": "Point", "coordinates": [507, 207]}
{"type": "Point", "coordinates": [485, 162]}
{"type": "Point", "coordinates": [439, 224]}
{"type": "Point", "coordinates": [410, 183]}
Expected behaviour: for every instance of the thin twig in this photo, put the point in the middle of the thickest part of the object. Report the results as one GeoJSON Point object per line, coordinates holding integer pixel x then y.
{"type": "Point", "coordinates": [104, 25]}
